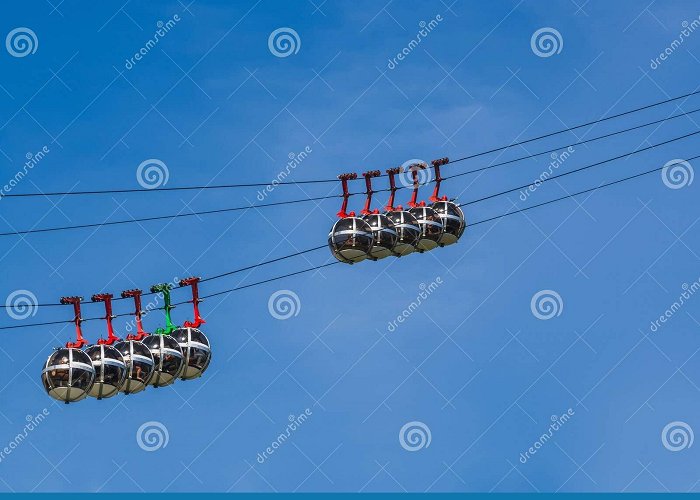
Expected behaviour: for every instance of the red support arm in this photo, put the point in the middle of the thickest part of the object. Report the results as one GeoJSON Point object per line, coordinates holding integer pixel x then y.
{"type": "Point", "coordinates": [136, 295]}
{"type": "Point", "coordinates": [77, 319]}
{"type": "Point", "coordinates": [344, 178]}
{"type": "Point", "coordinates": [415, 168]}
{"type": "Point", "coordinates": [107, 299]}
{"type": "Point", "coordinates": [392, 187]}
{"type": "Point", "coordinates": [438, 179]}
{"type": "Point", "coordinates": [368, 183]}
{"type": "Point", "coordinates": [198, 320]}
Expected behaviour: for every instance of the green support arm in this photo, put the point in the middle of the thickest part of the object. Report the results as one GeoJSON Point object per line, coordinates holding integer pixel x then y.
{"type": "Point", "coordinates": [164, 289]}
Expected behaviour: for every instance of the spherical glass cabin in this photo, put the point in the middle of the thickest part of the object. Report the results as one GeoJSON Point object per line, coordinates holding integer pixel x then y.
{"type": "Point", "coordinates": [139, 365]}
{"type": "Point", "coordinates": [195, 350]}
{"type": "Point", "coordinates": [384, 234]}
{"type": "Point", "coordinates": [452, 219]}
{"type": "Point", "coordinates": [430, 227]}
{"type": "Point", "coordinates": [350, 240]}
{"type": "Point", "coordinates": [407, 232]}
{"type": "Point", "coordinates": [68, 375]}
{"type": "Point", "coordinates": [167, 359]}
{"type": "Point", "coordinates": [110, 370]}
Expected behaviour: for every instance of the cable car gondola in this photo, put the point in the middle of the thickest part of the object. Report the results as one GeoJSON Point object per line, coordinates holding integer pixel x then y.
{"type": "Point", "coordinates": [351, 239]}
{"type": "Point", "coordinates": [166, 352]}
{"type": "Point", "coordinates": [110, 369]}
{"type": "Point", "coordinates": [383, 230]}
{"type": "Point", "coordinates": [193, 343]}
{"type": "Point", "coordinates": [137, 357]}
{"type": "Point", "coordinates": [405, 224]}
{"type": "Point", "coordinates": [68, 374]}
{"type": "Point", "coordinates": [449, 212]}
{"type": "Point", "coordinates": [430, 224]}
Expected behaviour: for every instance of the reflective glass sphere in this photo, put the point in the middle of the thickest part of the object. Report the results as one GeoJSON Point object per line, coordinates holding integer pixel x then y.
{"type": "Point", "coordinates": [384, 233]}
{"type": "Point", "coordinates": [68, 375]}
{"type": "Point", "coordinates": [195, 350]}
{"type": "Point", "coordinates": [430, 228]}
{"type": "Point", "coordinates": [167, 359]}
{"type": "Point", "coordinates": [407, 231]}
{"type": "Point", "coordinates": [452, 219]}
{"type": "Point", "coordinates": [139, 365]}
{"type": "Point", "coordinates": [110, 370]}
{"type": "Point", "coordinates": [350, 240]}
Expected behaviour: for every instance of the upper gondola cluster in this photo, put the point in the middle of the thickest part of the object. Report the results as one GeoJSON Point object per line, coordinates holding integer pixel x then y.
{"type": "Point", "coordinates": [396, 232]}
{"type": "Point", "coordinates": [113, 365]}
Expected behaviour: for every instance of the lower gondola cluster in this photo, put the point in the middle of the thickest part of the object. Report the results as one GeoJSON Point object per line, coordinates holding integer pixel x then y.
{"type": "Point", "coordinates": [395, 232]}
{"type": "Point", "coordinates": [112, 365]}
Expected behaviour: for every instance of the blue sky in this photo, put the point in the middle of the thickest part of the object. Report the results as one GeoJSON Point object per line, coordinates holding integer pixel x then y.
{"type": "Point", "coordinates": [472, 364]}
